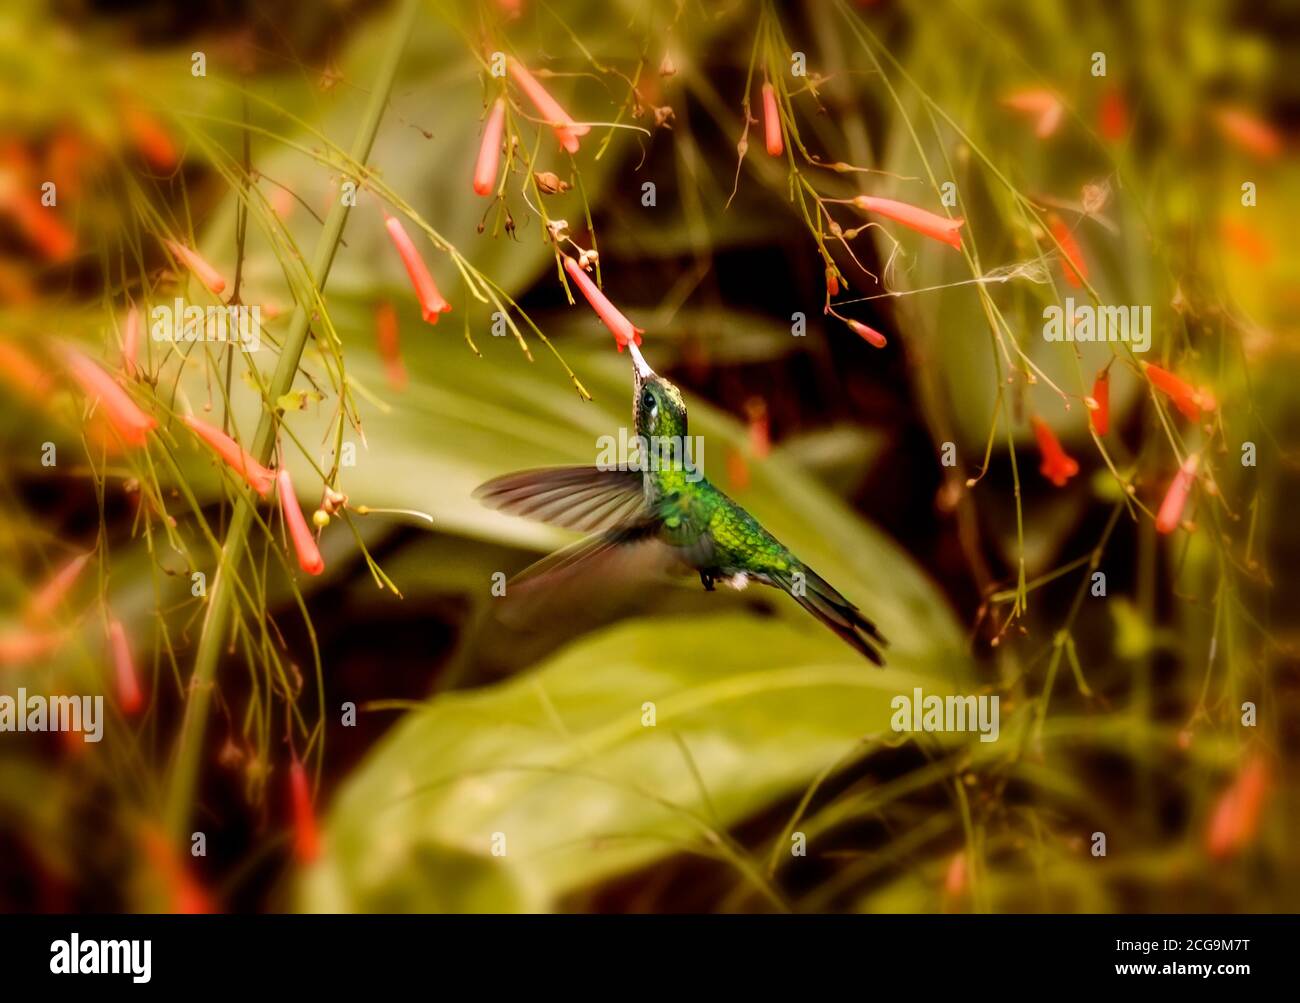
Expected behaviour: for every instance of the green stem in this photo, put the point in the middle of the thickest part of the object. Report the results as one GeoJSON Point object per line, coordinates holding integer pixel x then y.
{"type": "Point", "coordinates": [185, 767]}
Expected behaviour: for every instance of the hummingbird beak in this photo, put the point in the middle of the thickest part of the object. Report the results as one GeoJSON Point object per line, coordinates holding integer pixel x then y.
{"type": "Point", "coordinates": [640, 369]}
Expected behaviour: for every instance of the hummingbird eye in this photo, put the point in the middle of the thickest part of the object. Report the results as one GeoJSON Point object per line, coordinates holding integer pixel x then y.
{"type": "Point", "coordinates": [648, 399]}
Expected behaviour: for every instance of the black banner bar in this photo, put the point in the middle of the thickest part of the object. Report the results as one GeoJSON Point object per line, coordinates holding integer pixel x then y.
{"type": "Point", "coordinates": [212, 953]}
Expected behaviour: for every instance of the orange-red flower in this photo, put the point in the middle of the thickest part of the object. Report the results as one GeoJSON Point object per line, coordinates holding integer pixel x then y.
{"type": "Point", "coordinates": [131, 423]}
{"type": "Point", "coordinates": [197, 264]}
{"type": "Point", "coordinates": [954, 880]}
{"type": "Point", "coordinates": [40, 224]}
{"type": "Point", "coordinates": [1100, 416]}
{"type": "Point", "coordinates": [304, 544]}
{"type": "Point", "coordinates": [389, 348]}
{"type": "Point", "coordinates": [431, 302]}
{"type": "Point", "coordinates": [131, 340]}
{"type": "Point", "coordinates": [23, 373]}
{"type": "Point", "coordinates": [760, 439]}
{"type": "Point", "coordinates": [1187, 398]}
{"type": "Point", "coordinates": [619, 326]}
{"type": "Point", "coordinates": [19, 647]}
{"type": "Point", "coordinates": [306, 838]}
{"type": "Point", "coordinates": [1041, 103]}
{"type": "Point", "coordinates": [566, 130]}
{"type": "Point", "coordinates": [772, 122]}
{"type": "Point", "coordinates": [1074, 267]}
{"type": "Point", "coordinates": [921, 220]}
{"type": "Point", "coordinates": [737, 470]}
{"type": "Point", "coordinates": [1249, 132]}
{"type": "Point", "coordinates": [1236, 815]}
{"type": "Point", "coordinates": [69, 158]}
{"type": "Point", "coordinates": [1057, 466]}
{"type": "Point", "coordinates": [187, 896]}
{"type": "Point", "coordinates": [259, 478]}
{"type": "Point", "coordinates": [47, 600]}
{"type": "Point", "coordinates": [489, 151]}
{"type": "Point", "coordinates": [1171, 509]}
{"type": "Point", "coordinates": [1112, 115]}
{"type": "Point", "coordinates": [20, 199]}
{"type": "Point", "coordinates": [128, 685]}
{"type": "Point", "coordinates": [1249, 242]}
{"type": "Point", "coordinates": [149, 137]}
{"type": "Point", "coordinates": [868, 334]}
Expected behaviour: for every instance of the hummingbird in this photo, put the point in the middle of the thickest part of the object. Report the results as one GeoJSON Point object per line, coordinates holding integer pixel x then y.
{"type": "Point", "coordinates": [675, 509]}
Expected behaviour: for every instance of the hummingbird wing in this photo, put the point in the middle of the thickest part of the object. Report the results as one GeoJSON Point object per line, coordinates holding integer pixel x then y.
{"type": "Point", "coordinates": [591, 581]}
{"type": "Point", "coordinates": [594, 577]}
{"type": "Point", "coordinates": [587, 499]}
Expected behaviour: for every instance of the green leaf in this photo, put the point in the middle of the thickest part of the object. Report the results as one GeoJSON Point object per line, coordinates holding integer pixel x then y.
{"type": "Point", "coordinates": [560, 768]}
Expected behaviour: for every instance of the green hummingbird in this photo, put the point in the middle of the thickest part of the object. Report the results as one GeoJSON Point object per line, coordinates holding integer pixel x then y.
{"type": "Point", "coordinates": [673, 507]}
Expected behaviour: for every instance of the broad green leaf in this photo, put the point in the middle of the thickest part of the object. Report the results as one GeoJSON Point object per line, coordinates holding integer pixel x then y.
{"type": "Point", "coordinates": [560, 765]}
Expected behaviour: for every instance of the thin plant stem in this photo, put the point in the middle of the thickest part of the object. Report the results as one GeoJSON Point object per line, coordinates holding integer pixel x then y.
{"type": "Point", "coordinates": [185, 766]}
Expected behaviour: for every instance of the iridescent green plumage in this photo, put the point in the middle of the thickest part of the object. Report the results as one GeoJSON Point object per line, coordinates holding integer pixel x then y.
{"type": "Point", "coordinates": [670, 506]}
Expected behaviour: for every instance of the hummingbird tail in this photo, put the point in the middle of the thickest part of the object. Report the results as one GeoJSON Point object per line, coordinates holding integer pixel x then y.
{"type": "Point", "coordinates": [823, 601]}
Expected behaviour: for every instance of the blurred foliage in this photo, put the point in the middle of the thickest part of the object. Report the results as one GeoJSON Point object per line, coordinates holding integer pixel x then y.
{"type": "Point", "coordinates": [1120, 716]}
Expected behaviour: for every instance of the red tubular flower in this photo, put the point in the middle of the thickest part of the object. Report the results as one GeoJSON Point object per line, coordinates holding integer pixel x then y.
{"type": "Point", "coordinates": [489, 151]}
{"type": "Point", "coordinates": [737, 470]}
{"type": "Point", "coordinates": [128, 686]}
{"type": "Point", "coordinates": [131, 340]}
{"type": "Point", "coordinates": [389, 348]}
{"type": "Point", "coordinates": [1042, 103]}
{"type": "Point", "coordinates": [42, 226]}
{"type": "Point", "coordinates": [931, 224]}
{"type": "Point", "coordinates": [772, 122]}
{"type": "Point", "coordinates": [1236, 815]}
{"type": "Point", "coordinates": [1112, 115]}
{"type": "Point", "coordinates": [760, 439]}
{"type": "Point", "coordinates": [195, 262]}
{"type": "Point", "coordinates": [259, 478]}
{"type": "Point", "coordinates": [1057, 466]}
{"type": "Point", "coordinates": [1074, 267]}
{"type": "Point", "coordinates": [431, 302]}
{"type": "Point", "coordinates": [23, 373]}
{"type": "Point", "coordinates": [1249, 242]}
{"type": "Point", "coordinates": [869, 334]}
{"type": "Point", "coordinates": [304, 544]}
{"type": "Point", "coordinates": [1100, 417]}
{"type": "Point", "coordinates": [1171, 509]}
{"type": "Point", "coordinates": [19, 199]}
{"type": "Point", "coordinates": [150, 138]}
{"type": "Point", "coordinates": [22, 646]}
{"type": "Point", "coordinates": [306, 838]}
{"type": "Point", "coordinates": [1249, 133]}
{"type": "Point", "coordinates": [1187, 398]}
{"type": "Point", "coordinates": [46, 602]}
{"type": "Point", "coordinates": [832, 282]}
{"type": "Point", "coordinates": [123, 413]}
{"type": "Point", "coordinates": [566, 130]}
{"type": "Point", "coordinates": [186, 895]}
{"type": "Point", "coordinates": [954, 881]}
{"type": "Point", "coordinates": [618, 325]}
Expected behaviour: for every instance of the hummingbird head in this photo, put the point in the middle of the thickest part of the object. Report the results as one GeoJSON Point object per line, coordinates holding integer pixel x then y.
{"type": "Point", "coordinates": [656, 404]}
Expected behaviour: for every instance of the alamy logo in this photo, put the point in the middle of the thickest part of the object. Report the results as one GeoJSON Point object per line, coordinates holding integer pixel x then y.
{"type": "Point", "coordinates": [953, 713]}
{"type": "Point", "coordinates": [652, 453]}
{"type": "Point", "coordinates": [75, 956]}
{"type": "Point", "coordinates": [235, 322]}
{"type": "Point", "coordinates": [1086, 322]}
{"type": "Point", "coordinates": [55, 713]}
